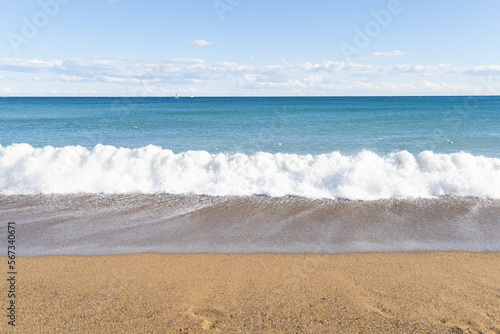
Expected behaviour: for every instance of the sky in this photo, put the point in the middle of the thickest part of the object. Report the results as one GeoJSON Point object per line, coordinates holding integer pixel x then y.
{"type": "Point", "coordinates": [249, 47]}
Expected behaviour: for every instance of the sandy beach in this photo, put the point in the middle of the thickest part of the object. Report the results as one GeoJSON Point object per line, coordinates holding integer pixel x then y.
{"type": "Point", "coordinates": [442, 292]}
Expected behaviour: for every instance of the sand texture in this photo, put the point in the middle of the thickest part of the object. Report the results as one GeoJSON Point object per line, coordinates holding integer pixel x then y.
{"type": "Point", "coordinates": [447, 292]}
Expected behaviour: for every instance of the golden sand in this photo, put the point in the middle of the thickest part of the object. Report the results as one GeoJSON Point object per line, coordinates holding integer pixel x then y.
{"type": "Point", "coordinates": [213, 293]}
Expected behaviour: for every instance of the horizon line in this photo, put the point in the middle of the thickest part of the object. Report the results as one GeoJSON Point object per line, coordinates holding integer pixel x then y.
{"type": "Point", "coordinates": [232, 96]}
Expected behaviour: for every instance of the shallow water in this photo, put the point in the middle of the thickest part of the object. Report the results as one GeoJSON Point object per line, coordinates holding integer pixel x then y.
{"type": "Point", "coordinates": [121, 224]}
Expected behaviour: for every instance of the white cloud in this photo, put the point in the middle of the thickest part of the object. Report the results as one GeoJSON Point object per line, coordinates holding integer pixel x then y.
{"type": "Point", "coordinates": [482, 70]}
{"type": "Point", "coordinates": [201, 42]}
{"type": "Point", "coordinates": [249, 78]}
{"type": "Point", "coordinates": [108, 79]}
{"type": "Point", "coordinates": [126, 67]}
{"type": "Point", "coordinates": [388, 54]}
{"type": "Point", "coordinates": [6, 90]}
{"type": "Point", "coordinates": [288, 84]}
{"type": "Point", "coordinates": [186, 68]}
{"type": "Point", "coordinates": [327, 77]}
{"type": "Point", "coordinates": [184, 61]}
{"type": "Point", "coordinates": [314, 78]}
{"type": "Point", "coordinates": [30, 65]}
{"type": "Point", "coordinates": [447, 87]}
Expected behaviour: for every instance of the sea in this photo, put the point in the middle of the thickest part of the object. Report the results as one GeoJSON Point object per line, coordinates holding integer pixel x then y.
{"type": "Point", "coordinates": [119, 175]}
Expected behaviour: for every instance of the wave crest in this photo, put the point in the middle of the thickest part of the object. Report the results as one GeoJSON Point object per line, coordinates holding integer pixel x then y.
{"type": "Point", "coordinates": [151, 169]}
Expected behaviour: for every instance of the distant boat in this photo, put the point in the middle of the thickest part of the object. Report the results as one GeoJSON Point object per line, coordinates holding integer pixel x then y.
{"type": "Point", "coordinates": [176, 97]}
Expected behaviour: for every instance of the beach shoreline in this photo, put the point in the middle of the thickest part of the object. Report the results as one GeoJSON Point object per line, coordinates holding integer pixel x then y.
{"type": "Point", "coordinates": [106, 224]}
{"type": "Point", "coordinates": [446, 292]}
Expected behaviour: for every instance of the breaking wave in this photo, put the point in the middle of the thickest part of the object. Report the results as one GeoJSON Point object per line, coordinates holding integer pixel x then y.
{"type": "Point", "coordinates": [151, 169]}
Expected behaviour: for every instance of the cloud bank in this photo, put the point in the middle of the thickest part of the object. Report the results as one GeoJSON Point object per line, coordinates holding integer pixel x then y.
{"type": "Point", "coordinates": [328, 77]}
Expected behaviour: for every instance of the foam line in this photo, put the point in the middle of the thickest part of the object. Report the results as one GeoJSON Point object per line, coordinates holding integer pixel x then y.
{"type": "Point", "coordinates": [151, 169]}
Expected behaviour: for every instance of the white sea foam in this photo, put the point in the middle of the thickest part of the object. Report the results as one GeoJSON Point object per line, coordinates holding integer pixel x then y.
{"type": "Point", "coordinates": [151, 169]}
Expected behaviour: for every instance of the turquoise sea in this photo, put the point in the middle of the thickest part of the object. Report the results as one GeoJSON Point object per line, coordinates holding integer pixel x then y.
{"type": "Point", "coordinates": [303, 125]}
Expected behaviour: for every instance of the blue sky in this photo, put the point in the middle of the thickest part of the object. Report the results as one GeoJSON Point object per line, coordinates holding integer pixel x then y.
{"type": "Point", "coordinates": [249, 47]}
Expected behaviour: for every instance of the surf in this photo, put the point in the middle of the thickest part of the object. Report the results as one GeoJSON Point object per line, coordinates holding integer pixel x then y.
{"type": "Point", "coordinates": [152, 169]}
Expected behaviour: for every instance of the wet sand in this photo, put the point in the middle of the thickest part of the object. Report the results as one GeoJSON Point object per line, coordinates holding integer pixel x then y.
{"type": "Point", "coordinates": [442, 292]}
{"type": "Point", "coordinates": [105, 224]}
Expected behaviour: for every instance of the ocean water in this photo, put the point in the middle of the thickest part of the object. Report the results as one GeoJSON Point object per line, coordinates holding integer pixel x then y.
{"type": "Point", "coordinates": [303, 125]}
{"type": "Point", "coordinates": [280, 174]}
